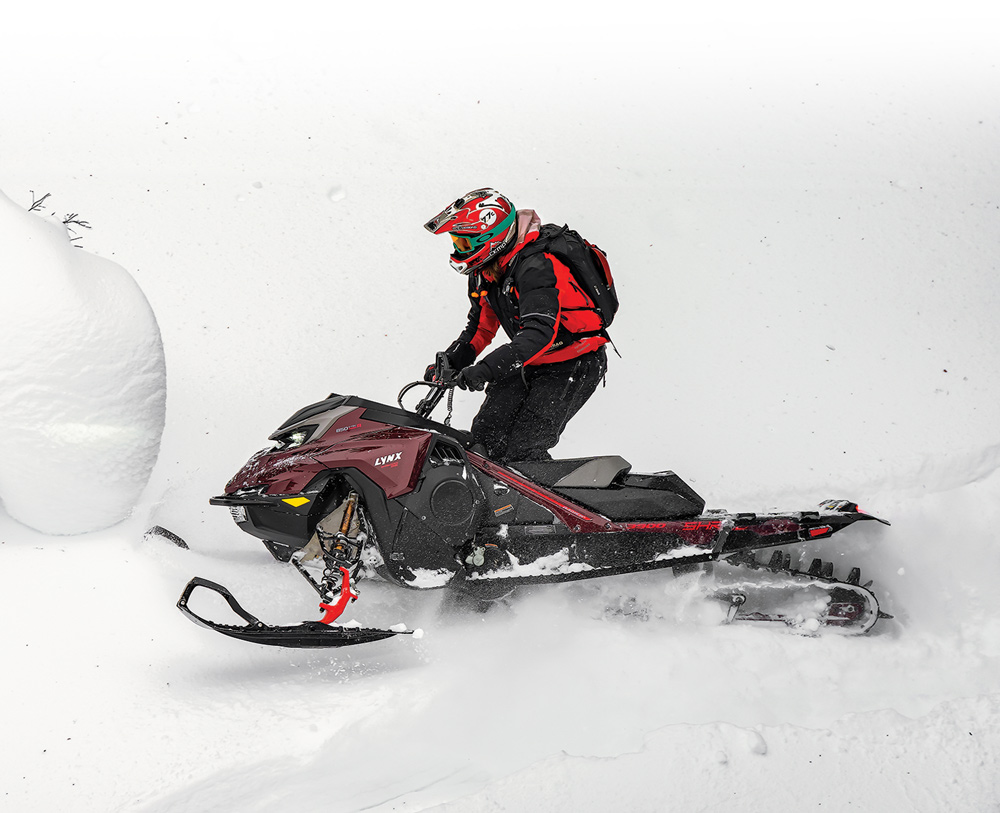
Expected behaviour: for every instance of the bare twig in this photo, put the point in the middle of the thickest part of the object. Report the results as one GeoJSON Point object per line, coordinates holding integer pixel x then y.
{"type": "Point", "coordinates": [74, 220]}
{"type": "Point", "coordinates": [70, 220]}
{"type": "Point", "coordinates": [36, 205]}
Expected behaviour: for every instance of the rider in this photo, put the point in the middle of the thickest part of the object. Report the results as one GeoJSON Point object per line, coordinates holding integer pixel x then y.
{"type": "Point", "coordinates": [555, 357]}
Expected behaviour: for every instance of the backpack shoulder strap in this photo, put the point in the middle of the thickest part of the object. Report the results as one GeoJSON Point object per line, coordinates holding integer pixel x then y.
{"type": "Point", "coordinates": [542, 243]}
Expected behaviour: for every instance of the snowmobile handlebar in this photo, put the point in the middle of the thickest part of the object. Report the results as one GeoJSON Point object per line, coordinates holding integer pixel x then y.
{"type": "Point", "coordinates": [443, 381]}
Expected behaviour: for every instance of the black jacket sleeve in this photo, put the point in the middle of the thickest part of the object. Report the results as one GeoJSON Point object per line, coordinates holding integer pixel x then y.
{"type": "Point", "coordinates": [532, 283]}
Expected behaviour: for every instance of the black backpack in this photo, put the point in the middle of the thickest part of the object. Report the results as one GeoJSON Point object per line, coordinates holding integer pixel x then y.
{"type": "Point", "coordinates": [587, 262]}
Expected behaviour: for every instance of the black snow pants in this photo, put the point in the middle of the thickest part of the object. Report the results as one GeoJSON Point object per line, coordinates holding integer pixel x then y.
{"type": "Point", "coordinates": [524, 416]}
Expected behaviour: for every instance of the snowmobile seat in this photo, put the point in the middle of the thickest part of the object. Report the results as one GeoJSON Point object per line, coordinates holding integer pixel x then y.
{"type": "Point", "coordinates": [598, 472]}
{"type": "Point", "coordinates": [659, 496]}
{"type": "Point", "coordinates": [605, 485]}
{"type": "Point", "coordinates": [584, 472]}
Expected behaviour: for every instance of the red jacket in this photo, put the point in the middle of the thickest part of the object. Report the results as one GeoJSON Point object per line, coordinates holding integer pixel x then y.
{"type": "Point", "coordinates": [537, 303]}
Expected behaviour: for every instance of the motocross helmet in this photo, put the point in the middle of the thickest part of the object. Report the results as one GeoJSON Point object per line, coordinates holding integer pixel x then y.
{"type": "Point", "coordinates": [482, 225]}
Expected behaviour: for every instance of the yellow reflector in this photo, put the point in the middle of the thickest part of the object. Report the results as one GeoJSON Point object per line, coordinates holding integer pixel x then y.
{"type": "Point", "coordinates": [295, 502]}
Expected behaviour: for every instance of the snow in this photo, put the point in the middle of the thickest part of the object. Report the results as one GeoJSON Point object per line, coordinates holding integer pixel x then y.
{"type": "Point", "coordinates": [83, 380]}
{"type": "Point", "coordinates": [770, 183]}
{"type": "Point", "coordinates": [425, 578]}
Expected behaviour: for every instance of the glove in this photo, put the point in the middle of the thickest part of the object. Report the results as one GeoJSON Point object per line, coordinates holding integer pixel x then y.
{"type": "Point", "coordinates": [459, 354]}
{"type": "Point", "coordinates": [475, 377]}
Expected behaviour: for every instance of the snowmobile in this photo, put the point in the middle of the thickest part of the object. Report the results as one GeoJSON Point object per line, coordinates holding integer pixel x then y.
{"type": "Point", "coordinates": [354, 489]}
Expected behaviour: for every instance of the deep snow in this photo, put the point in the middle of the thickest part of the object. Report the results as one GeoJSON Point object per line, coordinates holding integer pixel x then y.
{"type": "Point", "coordinates": [803, 216]}
{"type": "Point", "coordinates": [84, 379]}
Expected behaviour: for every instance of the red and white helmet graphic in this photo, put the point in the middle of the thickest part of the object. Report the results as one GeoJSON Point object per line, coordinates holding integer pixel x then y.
{"type": "Point", "coordinates": [482, 225]}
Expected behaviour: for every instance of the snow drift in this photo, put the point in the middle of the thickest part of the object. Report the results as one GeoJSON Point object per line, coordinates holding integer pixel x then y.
{"type": "Point", "coordinates": [82, 380]}
{"type": "Point", "coordinates": [802, 213]}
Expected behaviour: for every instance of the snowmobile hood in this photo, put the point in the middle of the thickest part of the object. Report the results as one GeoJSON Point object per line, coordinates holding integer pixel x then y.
{"type": "Point", "coordinates": [337, 431]}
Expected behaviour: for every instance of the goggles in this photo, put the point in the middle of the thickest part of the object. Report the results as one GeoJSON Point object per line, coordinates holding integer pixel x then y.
{"type": "Point", "coordinates": [463, 243]}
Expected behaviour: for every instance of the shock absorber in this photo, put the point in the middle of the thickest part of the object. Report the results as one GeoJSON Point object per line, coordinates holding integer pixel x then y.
{"type": "Point", "coordinates": [340, 547]}
{"type": "Point", "coordinates": [352, 503]}
{"type": "Point", "coordinates": [341, 555]}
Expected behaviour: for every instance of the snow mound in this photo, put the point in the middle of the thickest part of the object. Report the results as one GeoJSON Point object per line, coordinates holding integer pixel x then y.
{"type": "Point", "coordinates": [82, 380]}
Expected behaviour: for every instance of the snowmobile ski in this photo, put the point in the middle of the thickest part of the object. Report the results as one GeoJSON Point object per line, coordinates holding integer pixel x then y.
{"type": "Point", "coordinates": [307, 635]}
